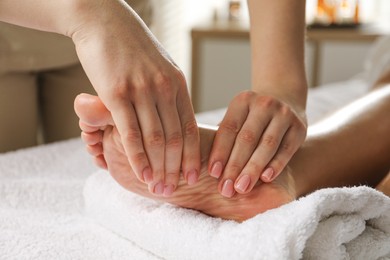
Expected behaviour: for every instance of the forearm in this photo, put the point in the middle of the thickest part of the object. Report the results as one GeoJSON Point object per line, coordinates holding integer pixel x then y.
{"type": "Point", "coordinates": [61, 16]}
{"type": "Point", "coordinates": [53, 16]}
{"type": "Point", "coordinates": [277, 43]}
{"type": "Point", "coordinates": [351, 147]}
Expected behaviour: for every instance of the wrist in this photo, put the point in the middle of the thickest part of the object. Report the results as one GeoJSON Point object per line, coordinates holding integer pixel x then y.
{"type": "Point", "coordinates": [88, 16]}
{"type": "Point", "coordinates": [293, 94]}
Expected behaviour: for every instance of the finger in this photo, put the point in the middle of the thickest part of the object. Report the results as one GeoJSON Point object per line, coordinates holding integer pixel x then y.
{"type": "Point", "coordinates": [126, 121]}
{"type": "Point", "coordinates": [191, 138]}
{"type": "Point", "coordinates": [246, 142]}
{"type": "Point", "coordinates": [95, 150]}
{"type": "Point", "coordinates": [92, 138]}
{"type": "Point", "coordinates": [153, 139]}
{"type": "Point", "coordinates": [100, 161]}
{"type": "Point", "coordinates": [173, 145]}
{"type": "Point", "coordinates": [225, 137]}
{"type": "Point", "coordinates": [289, 145]}
{"type": "Point", "coordinates": [265, 151]}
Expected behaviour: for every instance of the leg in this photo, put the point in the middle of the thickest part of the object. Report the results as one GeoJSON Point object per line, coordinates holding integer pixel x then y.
{"type": "Point", "coordinates": [58, 90]}
{"type": "Point", "coordinates": [351, 147]}
{"type": "Point", "coordinates": [18, 110]}
{"type": "Point", "coordinates": [384, 185]}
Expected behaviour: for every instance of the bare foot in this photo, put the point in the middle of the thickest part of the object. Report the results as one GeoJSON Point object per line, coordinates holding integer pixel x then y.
{"type": "Point", "coordinates": [203, 195]}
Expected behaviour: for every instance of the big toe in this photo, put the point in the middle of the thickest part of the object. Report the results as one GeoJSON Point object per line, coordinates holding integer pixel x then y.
{"type": "Point", "coordinates": [91, 110]}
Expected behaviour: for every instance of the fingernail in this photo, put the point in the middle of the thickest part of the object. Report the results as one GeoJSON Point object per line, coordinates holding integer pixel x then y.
{"type": "Point", "coordinates": [243, 183]}
{"type": "Point", "coordinates": [168, 190]}
{"type": "Point", "coordinates": [227, 189]}
{"type": "Point", "coordinates": [159, 188]}
{"type": "Point", "coordinates": [216, 170]}
{"type": "Point", "coordinates": [147, 175]}
{"type": "Point", "coordinates": [267, 175]}
{"type": "Point", "coordinates": [192, 177]}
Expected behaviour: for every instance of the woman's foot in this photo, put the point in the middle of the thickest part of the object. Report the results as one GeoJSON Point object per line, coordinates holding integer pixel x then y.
{"type": "Point", "coordinates": [104, 143]}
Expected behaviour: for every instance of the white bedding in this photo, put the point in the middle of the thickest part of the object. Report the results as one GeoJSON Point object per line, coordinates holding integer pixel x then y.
{"type": "Point", "coordinates": [41, 202]}
{"type": "Point", "coordinates": [321, 100]}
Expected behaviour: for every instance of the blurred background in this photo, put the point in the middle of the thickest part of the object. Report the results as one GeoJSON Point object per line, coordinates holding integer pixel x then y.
{"type": "Point", "coordinates": [209, 40]}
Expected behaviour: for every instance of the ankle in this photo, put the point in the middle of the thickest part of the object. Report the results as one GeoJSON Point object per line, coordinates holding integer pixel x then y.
{"type": "Point", "coordinates": [300, 171]}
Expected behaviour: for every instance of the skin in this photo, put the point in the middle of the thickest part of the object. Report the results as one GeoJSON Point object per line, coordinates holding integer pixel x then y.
{"type": "Point", "coordinates": [148, 98]}
{"type": "Point", "coordinates": [265, 126]}
{"type": "Point", "coordinates": [99, 132]}
{"type": "Point", "coordinates": [134, 77]}
{"type": "Point", "coordinates": [341, 150]}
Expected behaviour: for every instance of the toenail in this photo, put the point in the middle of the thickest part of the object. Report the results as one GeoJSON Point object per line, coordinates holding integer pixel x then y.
{"type": "Point", "coordinates": [147, 175]}
{"type": "Point", "coordinates": [168, 190]}
{"type": "Point", "coordinates": [192, 177]}
{"type": "Point", "coordinates": [159, 188]}
{"type": "Point", "coordinates": [243, 183]}
{"type": "Point", "coordinates": [267, 175]}
{"type": "Point", "coordinates": [227, 189]}
{"type": "Point", "coordinates": [216, 170]}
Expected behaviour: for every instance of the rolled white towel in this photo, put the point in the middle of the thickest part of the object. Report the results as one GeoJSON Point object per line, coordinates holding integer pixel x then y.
{"type": "Point", "coordinates": [341, 223]}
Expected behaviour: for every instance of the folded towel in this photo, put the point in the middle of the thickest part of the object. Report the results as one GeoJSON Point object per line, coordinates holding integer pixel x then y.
{"type": "Point", "coordinates": [341, 223]}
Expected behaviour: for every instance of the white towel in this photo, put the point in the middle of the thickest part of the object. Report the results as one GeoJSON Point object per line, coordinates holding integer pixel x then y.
{"type": "Point", "coordinates": [42, 208]}
{"type": "Point", "coordinates": [342, 223]}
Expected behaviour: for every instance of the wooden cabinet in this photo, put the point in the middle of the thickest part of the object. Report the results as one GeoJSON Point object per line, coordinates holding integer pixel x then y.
{"type": "Point", "coordinates": [221, 59]}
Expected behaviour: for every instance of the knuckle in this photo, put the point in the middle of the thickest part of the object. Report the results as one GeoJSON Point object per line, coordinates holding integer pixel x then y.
{"type": "Point", "coordinates": [132, 134]}
{"type": "Point", "coordinates": [301, 127]}
{"type": "Point", "coordinates": [190, 128]}
{"type": "Point", "coordinates": [168, 84]}
{"type": "Point", "coordinates": [155, 139]}
{"type": "Point", "coordinates": [247, 136]}
{"type": "Point", "coordinates": [121, 90]}
{"type": "Point", "coordinates": [175, 140]}
{"type": "Point", "coordinates": [234, 168]}
{"type": "Point", "coordinates": [181, 79]}
{"type": "Point", "coordinates": [285, 110]}
{"type": "Point", "coordinates": [266, 102]}
{"type": "Point", "coordinates": [287, 148]}
{"type": "Point", "coordinates": [158, 174]}
{"type": "Point", "coordinates": [255, 167]}
{"type": "Point", "coordinates": [269, 141]}
{"type": "Point", "coordinates": [230, 126]}
{"type": "Point", "coordinates": [164, 86]}
{"type": "Point", "coordinates": [138, 158]}
{"type": "Point", "coordinates": [142, 87]}
{"type": "Point", "coordinates": [244, 96]}
{"type": "Point", "coordinates": [173, 173]}
{"type": "Point", "coordinates": [162, 80]}
{"type": "Point", "coordinates": [278, 165]}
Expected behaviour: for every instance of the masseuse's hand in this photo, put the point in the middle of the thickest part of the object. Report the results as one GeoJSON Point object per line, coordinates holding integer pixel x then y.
{"type": "Point", "coordinates": [256, 139]}
{"type": "Point", "coordinates": [143, 89]}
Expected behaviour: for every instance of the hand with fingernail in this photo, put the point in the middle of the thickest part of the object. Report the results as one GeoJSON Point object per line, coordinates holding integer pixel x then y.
{"type": "Point", "coordinates": [255, 140]}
